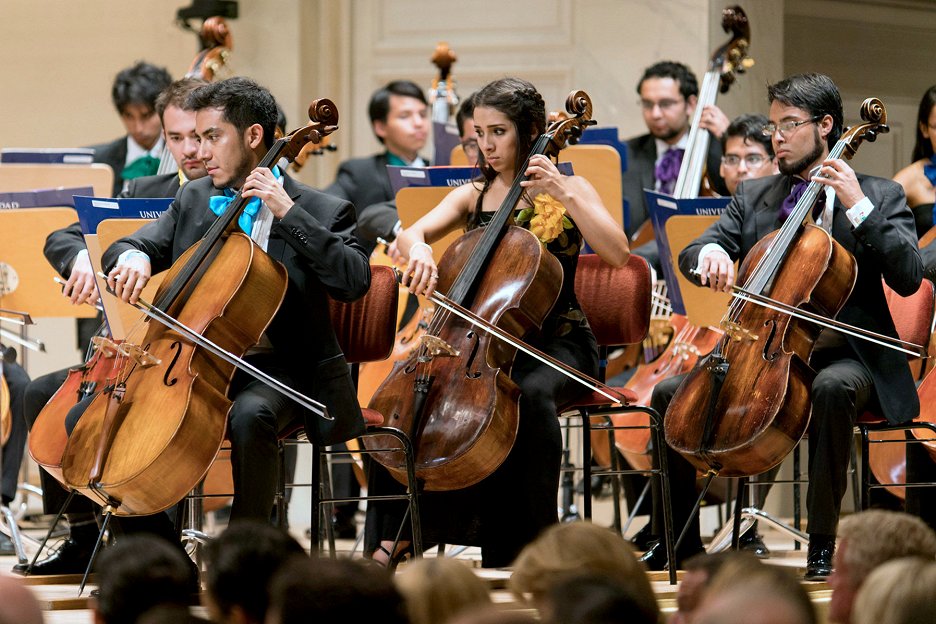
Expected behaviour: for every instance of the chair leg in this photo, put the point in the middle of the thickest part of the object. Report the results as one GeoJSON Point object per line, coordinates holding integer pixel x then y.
{"type": "Point", "coordinates": [316, 496]}
{"type": "Point", "coordinates": [659, 443]}
{"type": "Point", "coordinates": [797, 495]}
{"type": "Point", "coordinates": [586, 465]}
{"type": "Point", "coordinates": [615, 478]}
{"type": "Point", "coordinates": [736, 522]}
{"type": "Point", "coordinates": [865, 469]}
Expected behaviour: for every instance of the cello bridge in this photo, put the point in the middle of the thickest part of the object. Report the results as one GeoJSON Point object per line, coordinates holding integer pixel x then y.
{"type": "Point", "coordinates": [738, 333]}
{"type": "Point", "coordinates": [437, 347]}
{"type": "Point", "coordinates": [138, 354]}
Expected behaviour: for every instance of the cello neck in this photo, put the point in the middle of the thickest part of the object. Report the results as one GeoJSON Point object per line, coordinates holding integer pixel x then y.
{"type": "Point", "coordinates": [697, 145]}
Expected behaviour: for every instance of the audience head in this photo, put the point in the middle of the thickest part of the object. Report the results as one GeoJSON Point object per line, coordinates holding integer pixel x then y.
{"type": "Point", "coordinates": [595, 599]}
{"type": "Point", "coordinates": [399, 117]}
{"type": "Point", "coordinates": [514, 103]}
{"type": "Point", "coordinates": [926, 126]}
{"type": "Point", "coordinates": [134, 94]}
{"type": "Point", "coordinates": [334, 590]}
{"type": "Point", "coordinates": [902, 591]}
{"type": "Point", "coordinates": [494, 615]}
{"type": "Point", "coordinates": [867, 540]}
{"type": "Point", "coordinates": [438, 588]}
{"type": "Point", "coordinates": [745, 590]}
{"type": "Point", "coordinates": [579, 548]}
{"type": "Point", "coordinates": [699, 572]}
{"type": "Point", "coordinates": [170, 615]}
{"type": "Point", "coordinates": [138, 573]}
{"type": "Point", "coordinates": [17, 603]}
{"type": "Point", "coordinates": [178, 124]}
{"type": "Point", "coordinates": [746, 152]}
{"type": "Point", "coordinates": [817, 97]}
{"type": "Point", "coordinates": [668, 93]}
{"type": "Point", "coordinates": [241, 563]}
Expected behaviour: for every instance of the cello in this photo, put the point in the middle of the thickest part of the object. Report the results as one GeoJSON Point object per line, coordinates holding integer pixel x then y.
{"type": "Point", "coordinates": [454, 396]}
{"type": "Point", "coordinates": [145, 442]}
{"type": "Point", "coordinates": [747, 404]}
{"type": "Point", "coordinates": [688, 342]}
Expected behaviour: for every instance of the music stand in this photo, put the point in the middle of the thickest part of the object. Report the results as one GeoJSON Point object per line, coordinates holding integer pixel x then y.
{"type": "Point", "coordinates": [29, 177]}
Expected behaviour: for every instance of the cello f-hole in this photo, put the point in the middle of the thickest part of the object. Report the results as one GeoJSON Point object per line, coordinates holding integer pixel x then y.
{"type": "Point", "coordinates": [476, 374]}
{"type": "Point", "coordinates": [770, 354]}
{"type": "Point", "coordinates": [177, 347]}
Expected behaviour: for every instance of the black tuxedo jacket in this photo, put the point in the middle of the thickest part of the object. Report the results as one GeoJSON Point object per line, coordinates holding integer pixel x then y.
{"type": "Point", "coordinates": [640, 175]}
{"type": "Point", "coordinates": [315, 242]}
{"type": "Point", "coordinates": [115, 155]}
{"type": "Point", "coordinates": [365, 183]}
{"type": "Point", "coordinates": [884, 245]}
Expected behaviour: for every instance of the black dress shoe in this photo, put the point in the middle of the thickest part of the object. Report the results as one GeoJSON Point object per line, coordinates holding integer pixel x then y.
{"type": "Point", "coordinates": [644, 539]}
{"type": "Point", "coordinates": [6, 546]}
{"type": "Point", "coordinates": [655, 558]}
{"type": "Point", "coordinates": [754, 544]}
{"type": "Point", "coordinates": [819, 557]}
{"type": "Point", "coordinates": [72, 558]}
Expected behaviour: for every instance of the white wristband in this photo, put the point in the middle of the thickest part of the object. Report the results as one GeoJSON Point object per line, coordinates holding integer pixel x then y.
{"type": "Point", "coordinates": [420, 244]}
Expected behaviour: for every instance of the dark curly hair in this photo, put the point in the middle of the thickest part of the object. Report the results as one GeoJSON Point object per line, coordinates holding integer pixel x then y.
{"type": "Point", "coordinates": [688, 86]}
{"type": "Point", "coordinates": [140, 84]}
{"type": "Point", "coordinates": [524, 107]}
{"type": "Point", "coordinates": [242, 102]}
{"type": "Point", "coordinates": [814, 93]}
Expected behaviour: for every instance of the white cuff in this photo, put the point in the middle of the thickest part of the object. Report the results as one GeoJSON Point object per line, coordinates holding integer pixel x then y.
{"type": "Point", "coordinates": [706, 250]}
{"type": "Point", "coordinates": [130, 253]}
{"type": "Point", "coordinates": [859, 212]}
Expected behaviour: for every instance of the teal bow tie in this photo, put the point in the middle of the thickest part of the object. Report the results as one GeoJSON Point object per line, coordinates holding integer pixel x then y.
{"type": "Point", "coordinates": [219, 203]}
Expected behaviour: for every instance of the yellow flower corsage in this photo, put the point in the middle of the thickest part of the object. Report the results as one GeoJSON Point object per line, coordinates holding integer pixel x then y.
{"type": "Point", "coordinates": [547, 218]}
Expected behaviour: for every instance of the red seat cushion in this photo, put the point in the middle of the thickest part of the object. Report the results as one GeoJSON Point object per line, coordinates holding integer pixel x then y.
{"type": "Point", "coordinates": [372, 418]}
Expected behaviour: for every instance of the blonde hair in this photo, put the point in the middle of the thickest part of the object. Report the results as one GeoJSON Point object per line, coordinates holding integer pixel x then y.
{"type": "Point", "coordinates": [902, 591]}
{"type": "Point", "coordinates": [578, 548]}
{"type": "Point", "coordinates": [876, 536]}
{"type": "Point", "coordinates": [436, 589]}
{"type": "Point", "coordinates": [743, 584]}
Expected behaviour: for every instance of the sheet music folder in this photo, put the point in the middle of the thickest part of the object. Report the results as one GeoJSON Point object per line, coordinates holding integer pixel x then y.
{"type": "Point", "coordinates": [676, 223]}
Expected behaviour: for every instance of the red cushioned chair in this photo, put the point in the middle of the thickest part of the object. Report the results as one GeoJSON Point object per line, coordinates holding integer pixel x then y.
{"type": "Point", "coordinates": [616, 302]}
{"type": "Point", "coordinates": [913, 316]}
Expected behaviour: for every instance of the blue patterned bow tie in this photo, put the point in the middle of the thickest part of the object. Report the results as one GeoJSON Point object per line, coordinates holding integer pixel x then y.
{"type": "Point", "coordinates": [219, 203]}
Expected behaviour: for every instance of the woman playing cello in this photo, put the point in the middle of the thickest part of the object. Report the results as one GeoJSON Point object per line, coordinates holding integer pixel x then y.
{"type": "Point", "coordinates": [506, 510]}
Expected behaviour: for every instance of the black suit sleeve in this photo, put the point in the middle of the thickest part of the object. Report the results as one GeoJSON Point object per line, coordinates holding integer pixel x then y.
{"type": "Point", "coordinates": [62, 246]}
{"type": "Point", "coordinates": [329, 249]}
{"type": "Point", "coordinates": [726, 232]}
{"type": "Point", "coordinates": [154, 239]}
{"type": "Point", "coordinates": [343, 186]}
{"type": "Point", "coordinates": [889, 234]}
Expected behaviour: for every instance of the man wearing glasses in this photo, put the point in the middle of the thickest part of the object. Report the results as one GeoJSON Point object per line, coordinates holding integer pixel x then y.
{"type": "Point", "coordinates": [747, 152]}
{"type": "Point", "coordinates": [668, 93]}
{"type": "Point", "coordinates": [869, 217]}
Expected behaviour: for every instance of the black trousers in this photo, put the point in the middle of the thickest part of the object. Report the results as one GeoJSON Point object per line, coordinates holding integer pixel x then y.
{"type": "Point", "coordinates": [841, 390]}
{"type": "Point", "coordinates": [13, 450]}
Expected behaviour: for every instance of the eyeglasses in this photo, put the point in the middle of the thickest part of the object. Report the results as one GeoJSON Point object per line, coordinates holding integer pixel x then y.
{"type": "Point", "coordinates": [786, 127]}
{"type": "Point", "coordinates": [649, 105]}
{"type": "Point", "coordinates": [470, 147]}
{"type": "Point", "coordinates": [753, 161]}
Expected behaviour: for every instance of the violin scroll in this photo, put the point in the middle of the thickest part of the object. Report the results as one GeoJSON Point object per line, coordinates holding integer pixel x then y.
{"type": "Point", "coordinates": [874, 115]}
{"type": "Point", "coordinates": [569, 130]}
{"type": "Point", "coordinates": [324, 120]}
{"type": "Point", "coordinates": [733, 57]}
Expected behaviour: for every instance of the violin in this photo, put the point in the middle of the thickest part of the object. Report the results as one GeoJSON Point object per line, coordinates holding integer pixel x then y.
{"type": "Point", "coordinates": [747, 404]}
{"type": "Point", "coordinates": [146, 441]}
{"type": "Point", "coordinates": [453, 396]}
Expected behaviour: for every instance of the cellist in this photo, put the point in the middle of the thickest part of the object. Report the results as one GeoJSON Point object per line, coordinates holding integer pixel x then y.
{"type": "Point", "coordinates": [869, 217]}
{"type": "Point", "coordinates": [309, 232]}
{"type": "Point", "coordinates": [505, 511]}
{"type": "Point", "coordinates": [66, 252]}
